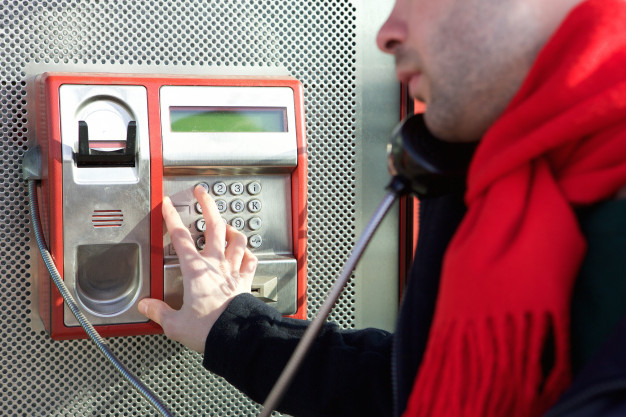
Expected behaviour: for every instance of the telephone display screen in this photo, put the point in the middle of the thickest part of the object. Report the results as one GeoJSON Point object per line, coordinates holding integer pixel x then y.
{"type": "Point", "coordinates": [228, 119]}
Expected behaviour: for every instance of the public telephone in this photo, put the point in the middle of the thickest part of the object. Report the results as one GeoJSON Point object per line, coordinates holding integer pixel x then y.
{"type": "Point", "coordinates": [113, 145]}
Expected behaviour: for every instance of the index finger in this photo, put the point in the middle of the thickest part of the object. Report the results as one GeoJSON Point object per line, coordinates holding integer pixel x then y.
{"type": "Point", "coordinates": [179, 234]}
{"type": "Point", "coordinates": [215, 231]}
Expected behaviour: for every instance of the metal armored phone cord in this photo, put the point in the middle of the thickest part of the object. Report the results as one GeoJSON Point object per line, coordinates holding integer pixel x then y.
{"type": "Point", "coordinates": [420, 164]}
{"type": "Point", "coordinates": [397, 187]}
{"type": "Point", "coordinates": [91, 331]}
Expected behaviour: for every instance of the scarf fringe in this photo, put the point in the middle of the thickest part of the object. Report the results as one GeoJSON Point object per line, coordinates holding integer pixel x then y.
{"type": "Point", "coordinates": [493, 367]}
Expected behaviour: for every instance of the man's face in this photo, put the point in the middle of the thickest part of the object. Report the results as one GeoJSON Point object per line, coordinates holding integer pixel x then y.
{"type": "Point", "coordinates": [464, 58]}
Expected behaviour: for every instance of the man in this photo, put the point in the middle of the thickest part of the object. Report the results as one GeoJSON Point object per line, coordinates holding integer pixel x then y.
{"type": "Point", "coordinates": [493, 322]}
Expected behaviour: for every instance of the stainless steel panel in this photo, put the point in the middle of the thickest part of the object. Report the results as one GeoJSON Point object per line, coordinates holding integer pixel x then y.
{"type": "Point", "coordinates": [90, 192]}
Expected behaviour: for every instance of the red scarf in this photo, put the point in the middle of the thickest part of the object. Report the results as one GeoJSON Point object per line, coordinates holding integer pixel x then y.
{"type": "Point", "coordinates": [504, 300]}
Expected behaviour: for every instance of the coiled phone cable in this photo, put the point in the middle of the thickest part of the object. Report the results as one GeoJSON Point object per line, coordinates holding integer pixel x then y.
{"type": "Point", "coordinates": [67, 296]}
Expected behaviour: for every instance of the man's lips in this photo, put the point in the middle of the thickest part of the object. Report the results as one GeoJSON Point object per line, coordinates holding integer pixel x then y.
{"type": "Point", "coordinates": [413, 84]}
{"type": "Point", "coordinates": [404, 75]}
{"type": "Point", "coordinates": [408, 77]}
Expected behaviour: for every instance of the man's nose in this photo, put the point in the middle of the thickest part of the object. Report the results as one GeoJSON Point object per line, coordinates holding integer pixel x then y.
{"type": "Point", "coordinates": [394, 31]}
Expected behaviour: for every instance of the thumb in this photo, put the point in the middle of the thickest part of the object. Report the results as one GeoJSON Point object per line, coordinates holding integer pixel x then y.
{"type": "Point", "coordinates": [155, 310]}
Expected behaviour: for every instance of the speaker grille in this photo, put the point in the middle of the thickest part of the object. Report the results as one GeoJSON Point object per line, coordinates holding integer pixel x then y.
{"type": "Point", "coordinates": [107, 218]}
{"type": "Point", "coordinates": [314, 40]}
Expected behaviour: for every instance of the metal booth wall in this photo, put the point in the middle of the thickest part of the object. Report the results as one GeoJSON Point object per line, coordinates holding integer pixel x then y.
{"type": "Point", "coordinates": [352, 103]}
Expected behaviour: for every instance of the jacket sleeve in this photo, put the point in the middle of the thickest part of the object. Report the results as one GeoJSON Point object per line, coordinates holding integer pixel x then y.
{"type": "Point", "coordinates": [346, 372]}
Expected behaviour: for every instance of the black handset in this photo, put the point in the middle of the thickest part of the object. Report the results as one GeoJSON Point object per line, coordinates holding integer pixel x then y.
{"type": "Point", "coordinates": [429, 165]}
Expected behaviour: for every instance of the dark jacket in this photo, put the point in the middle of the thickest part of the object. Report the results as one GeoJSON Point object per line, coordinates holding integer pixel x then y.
{"type": "Point", "coordinates": [366, 372]}
{"type": "Point", "coordinates": [599, 318]}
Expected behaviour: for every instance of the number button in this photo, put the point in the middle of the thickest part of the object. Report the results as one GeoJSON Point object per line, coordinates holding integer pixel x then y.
{"type": "Point", "coordinates": [255, 241]}
{"type": "Point", "coordinates": [204, 185]}
{"type": "Point", "coordinates": [219, 188]}
{"type": "Point", "coordinates": [236, 188]}
{"type": "Point", "coordinates": [198, 208]}
{"type": "Point", "coordinates": [221, 205]}
{"type": "Point", "coordinates": [200, 225]}
{"type": "Point", "coordinates": [254, 188]}
{"type": "Point", "coordinates": [200, 243]}
{"type": "Point", "coordinates": [255, 223]}
{"type": "Point", "coordinates": [254, 206]}
{"type": "Point", "coordinates": [238, 223]}
{"type": "Point", "coordinates": [237, 206]}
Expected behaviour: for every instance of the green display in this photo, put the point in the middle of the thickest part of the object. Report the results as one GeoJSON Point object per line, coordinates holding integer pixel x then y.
{"type": "Point", "coordinates": [228, 119]}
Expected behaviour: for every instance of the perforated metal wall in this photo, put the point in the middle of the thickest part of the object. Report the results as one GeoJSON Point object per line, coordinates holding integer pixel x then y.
{"type": "Point", "coordinates": [318, 42]}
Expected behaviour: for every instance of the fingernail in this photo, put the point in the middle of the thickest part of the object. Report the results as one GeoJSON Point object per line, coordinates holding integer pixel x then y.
{"type": "Point", "coordinates": [142, 306]}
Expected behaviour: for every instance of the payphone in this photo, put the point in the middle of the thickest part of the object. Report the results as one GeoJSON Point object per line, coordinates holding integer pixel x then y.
{"type": "Point", "coordinates": [113, 145]}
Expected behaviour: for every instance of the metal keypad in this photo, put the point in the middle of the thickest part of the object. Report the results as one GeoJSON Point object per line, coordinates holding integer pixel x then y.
{"type": "Point", "coordinates": [265, 218]}
{"type": "Point", "coordinates": [241, 201]}
{"type": "Point", "coordinates": [259, 206]}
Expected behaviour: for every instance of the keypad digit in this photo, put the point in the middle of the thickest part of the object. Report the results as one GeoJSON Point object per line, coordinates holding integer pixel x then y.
{"type": "Point", "coordinates": [200, 225]}
{"type": "Point", "coordinates": [237, 206]}
{"type": "Point", "coordinates": [238, 223]}
{"type": "Point", "coordinates": [219, 188]}
{"type": "Point", "coordinates": [204, 185]}
{"type": "Point", "coordinates": [236, 188]}
{"type": "Point", "coordinates": [240, 205]}
{"type": "Point", "coordinates": [222, 206]}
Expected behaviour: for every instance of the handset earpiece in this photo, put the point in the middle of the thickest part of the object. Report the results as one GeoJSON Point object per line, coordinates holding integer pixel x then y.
{"type": "Point", "coordinates": [430, 166]}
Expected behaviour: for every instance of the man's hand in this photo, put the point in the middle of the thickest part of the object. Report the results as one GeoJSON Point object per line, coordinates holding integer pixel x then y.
{"type": "Point", "coordinates": [211, 277]}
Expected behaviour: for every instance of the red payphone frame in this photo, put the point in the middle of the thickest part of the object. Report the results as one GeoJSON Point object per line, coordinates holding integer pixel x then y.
{"type": "Point", "coordinates": [51, 198]}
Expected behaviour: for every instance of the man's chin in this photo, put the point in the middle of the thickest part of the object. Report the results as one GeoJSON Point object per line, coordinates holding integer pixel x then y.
{"type": "Point", "coordinates": [448, 128]}
{"type": "Point", "coordinates": [438, 127]}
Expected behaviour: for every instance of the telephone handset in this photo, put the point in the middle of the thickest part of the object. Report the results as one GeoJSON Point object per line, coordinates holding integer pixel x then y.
{"type": "Point", "coordinates": [430, 166]}
{"type": "Point", "coordinates": [113, 145]}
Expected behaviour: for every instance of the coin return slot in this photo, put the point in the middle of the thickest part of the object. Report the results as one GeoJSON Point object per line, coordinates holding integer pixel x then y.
{"type": "Point", "coordinates": [265, 288]}
{"type": "Point", "coordinates": [108, 277]}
